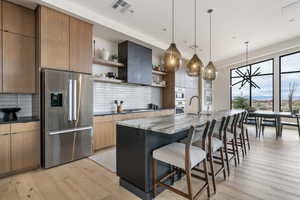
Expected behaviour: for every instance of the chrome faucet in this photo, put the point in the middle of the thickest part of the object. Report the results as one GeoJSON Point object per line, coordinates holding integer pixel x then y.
{"type": "Point", "coordinates": [199, 103]}
{"type": "Point", "coordinates": [191, 99]}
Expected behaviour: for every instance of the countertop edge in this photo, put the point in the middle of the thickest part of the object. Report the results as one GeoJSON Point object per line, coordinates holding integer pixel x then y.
{"type": "Point", "coordinates": [126, 113]}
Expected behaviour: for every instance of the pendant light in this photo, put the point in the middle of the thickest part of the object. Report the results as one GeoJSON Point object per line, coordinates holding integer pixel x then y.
{"type": "Point", "coordinates": [172, 57]}
{"type": "Point", "coordinates": [210, 70]}
{"type": "Point", "coordinates": [195, 65]}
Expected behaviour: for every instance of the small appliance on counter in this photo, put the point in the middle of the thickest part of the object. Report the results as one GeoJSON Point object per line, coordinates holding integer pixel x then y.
{"type": "Point", "coordinates": [10, 114]}
{"type": "Point", "coordinates": [153, 106]}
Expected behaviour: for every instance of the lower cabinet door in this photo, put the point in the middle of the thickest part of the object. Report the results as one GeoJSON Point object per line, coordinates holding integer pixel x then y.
{"type": "Point", "coordinates": [25, 150]}
{"type": "Point", "coordinates": [4, 153]}
{"type": "Point", "coordinates": [104, 135]}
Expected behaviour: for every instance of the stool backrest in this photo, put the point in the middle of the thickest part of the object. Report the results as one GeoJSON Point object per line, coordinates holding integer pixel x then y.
{"type": "Point", "coordinates": [221, 127]}
{"type": "Point", "coordinates": [226, 124]}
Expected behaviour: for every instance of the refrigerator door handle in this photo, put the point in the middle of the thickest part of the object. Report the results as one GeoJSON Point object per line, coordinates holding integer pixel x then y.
{"type": "Point", "coordinates": [70, 113]}
{"type": "Point", "coordinates": [74, 100]}
{"type": "Point", "coordinates": [71, 130]}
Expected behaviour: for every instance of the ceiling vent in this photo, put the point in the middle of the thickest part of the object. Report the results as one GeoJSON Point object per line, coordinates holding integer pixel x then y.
{"type": "Point", "coordinates": [122, 6]}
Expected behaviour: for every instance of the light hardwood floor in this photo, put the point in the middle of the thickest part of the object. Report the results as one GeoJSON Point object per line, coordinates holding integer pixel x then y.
{"type": "Point", "coordinates": [271, 171]}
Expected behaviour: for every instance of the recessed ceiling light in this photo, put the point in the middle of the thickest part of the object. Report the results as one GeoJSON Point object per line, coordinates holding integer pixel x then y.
{"type": "Point", "coordinates": [164, 29]}
{"type": "Point", "coordinates": [233, 37]}
{"type": "Point", "coordinates": [185, 42]}
{"type": "Point", "coordinates": [292, 20]}
{"type": "Point", "coordinates": [193, 46]}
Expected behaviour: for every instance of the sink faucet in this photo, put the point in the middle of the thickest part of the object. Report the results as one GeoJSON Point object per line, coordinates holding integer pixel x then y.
{"type": "Point", "coordinates": [191, 99]}
{"type": "Point", "coordinates": [199, 103]}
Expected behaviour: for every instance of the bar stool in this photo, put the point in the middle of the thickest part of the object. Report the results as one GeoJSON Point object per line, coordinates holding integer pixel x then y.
{"type": "Point", "coordinates": [212, 146]}
{"type": "Point", "coordinates": [183, 157]}
{"type": "Point", "coordinates": [246, 134]}
{"type": "Point", "coordinates": [231, 139]}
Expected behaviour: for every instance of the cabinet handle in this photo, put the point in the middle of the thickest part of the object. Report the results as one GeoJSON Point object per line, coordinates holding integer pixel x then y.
{"type": "Point", "coordinates": [5, 134]}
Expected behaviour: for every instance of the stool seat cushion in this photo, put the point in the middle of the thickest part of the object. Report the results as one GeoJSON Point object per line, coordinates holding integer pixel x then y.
{"type": "Point", "coordinates": [174, 154]}
{"type": "Point", "coordinates": [215, 142]}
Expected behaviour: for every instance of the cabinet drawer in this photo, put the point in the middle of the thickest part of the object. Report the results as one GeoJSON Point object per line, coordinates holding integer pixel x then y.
{"type": "Point", "coordinates": [25, 127]}
{"type": "Point", "coordinates": [4, 129]}
{"type": "Point", "coordinates": [103, 119]}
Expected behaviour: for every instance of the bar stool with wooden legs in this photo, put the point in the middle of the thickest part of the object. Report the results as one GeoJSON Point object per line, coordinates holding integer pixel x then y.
{"type": "Point", "coordinates": [230, 139]}
{"type": "Point", "coordinates": [245, 133]}
{"type": "Point", "coordinates": [212, 146]}
{"type": "Point", "coordinates": [183, 157]}
{"type": "Point", "coordinates": [240, 134]}
{"type": "Point", "coordinates": [221, 135]}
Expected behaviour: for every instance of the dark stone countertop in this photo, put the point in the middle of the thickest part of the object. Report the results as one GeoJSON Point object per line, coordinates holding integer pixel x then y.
{"type": "Point", "coordinates": [130, 111]}
{"type": "Point", "coordinates": [20, 120]}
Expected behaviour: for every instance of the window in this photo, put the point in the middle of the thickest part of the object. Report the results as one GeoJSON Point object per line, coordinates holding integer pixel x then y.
{"type": "Point", "coordinates": [290, 82]}
{"type": "Point", "coordinates": [259, 94]}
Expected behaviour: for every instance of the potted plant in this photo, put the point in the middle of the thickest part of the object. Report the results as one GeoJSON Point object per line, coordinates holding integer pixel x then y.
{"type": "Point", "coordinates": [114, 58]}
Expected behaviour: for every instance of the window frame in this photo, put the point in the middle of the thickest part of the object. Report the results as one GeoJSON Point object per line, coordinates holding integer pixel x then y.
{"type": "Point", "coordinates": [280, 73]}
{"type": "Point", "coordinates": [250, 87]}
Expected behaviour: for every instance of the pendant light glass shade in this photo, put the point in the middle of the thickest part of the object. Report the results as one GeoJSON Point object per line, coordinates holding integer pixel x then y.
{"type": "Point", "coordinates": [172, 58]}
{"type": "Point", "coordinates": [194, 66]}
{"type": "Point", "coordinates": [210, 72]}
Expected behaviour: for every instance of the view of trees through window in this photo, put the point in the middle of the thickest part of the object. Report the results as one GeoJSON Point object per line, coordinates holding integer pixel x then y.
{"type": "Point", "coordinates": [258, 95]}
{"type": "Point", "coordinates": [290, 82]}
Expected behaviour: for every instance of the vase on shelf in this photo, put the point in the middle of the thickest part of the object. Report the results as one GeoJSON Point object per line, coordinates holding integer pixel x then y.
{"type": "Point", "coordinates": [104, 54]}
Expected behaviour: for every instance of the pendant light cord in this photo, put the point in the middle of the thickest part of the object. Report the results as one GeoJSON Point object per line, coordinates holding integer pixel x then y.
{"type": "Point", "coordinates": [210, 35]}
{"type": "Point", "coordinates": [195, 36]}
{"type": "Point", "coordinates": [247, 53]}
{"type": "Point", "coordinates": [173, 23]}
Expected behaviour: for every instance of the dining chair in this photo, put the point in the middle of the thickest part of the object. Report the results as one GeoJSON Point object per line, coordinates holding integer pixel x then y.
{"type": "Point", "coordinates": [292, 124]}
{"type": "Point", "coordinates": [267, 122]}
{"type": "Point", "coordinates": [183, 158]}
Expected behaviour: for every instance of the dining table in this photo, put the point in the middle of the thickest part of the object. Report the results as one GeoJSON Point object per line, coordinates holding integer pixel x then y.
{"type": "Point", "coordinates": [259, 115]}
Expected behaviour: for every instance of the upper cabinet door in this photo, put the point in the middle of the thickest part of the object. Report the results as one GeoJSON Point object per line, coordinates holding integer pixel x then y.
{"type": "Point", "coordinates": [80, 46]}
{"type": "Point", "coordinates": [18, 63]}
{"type": "Point", "coordinates": [54, 39]}
{"type": "Point", "coordinates": [17, 19]}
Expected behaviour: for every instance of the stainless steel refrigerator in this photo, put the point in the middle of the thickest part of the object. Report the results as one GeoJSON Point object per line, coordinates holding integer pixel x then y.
{"type": "Point", "coordinates": [67, 117]}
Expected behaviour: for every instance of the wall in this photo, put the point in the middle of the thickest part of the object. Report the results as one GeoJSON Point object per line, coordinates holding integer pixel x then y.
{"type": "Point", "coordinates": [221, 87]}
{"type": "Point", "coordinates": [134, 96]}
{"type": "Point", "coordinates": [17, 100]}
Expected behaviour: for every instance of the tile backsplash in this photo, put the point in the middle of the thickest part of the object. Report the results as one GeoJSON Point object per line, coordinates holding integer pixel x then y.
{"type": "Point", "coordinates": [133, 96]}
{"type": "Point", "coordinates": [24, 101]}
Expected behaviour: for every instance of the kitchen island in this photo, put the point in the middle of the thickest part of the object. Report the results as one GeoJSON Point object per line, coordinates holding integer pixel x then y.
{"type": "Point", "coordinates": [137, 138]}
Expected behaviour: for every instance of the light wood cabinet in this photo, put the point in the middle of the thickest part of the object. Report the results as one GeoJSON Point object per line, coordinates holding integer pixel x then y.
{"type": "Point", "coordinates": [1, 61]}
{"type": "Point", "coordinates": [25, 150]}
{"type": "Point", "coordinates": [18, 19]}
{"type": "Point", "coordinates": [5, 149]}
{"type": "Point", "coordinates": [65, 43]}
{"type": "Point", "coordinates": [104, 132]}
{"type": "Point", "coordinates": [20, 147]}
{"type": "Point", "coordinates": [81, 36]}
{"type": "Point", "coordinates": [54, 39]}
{"type": "Point", "coordinates": [18, 63]}
{"type": "Point", "coordinates": [105, 127]}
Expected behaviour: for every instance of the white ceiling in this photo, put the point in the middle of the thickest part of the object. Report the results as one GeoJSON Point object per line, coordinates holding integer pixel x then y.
{"type": "Point", "coordinates": [261, 22]}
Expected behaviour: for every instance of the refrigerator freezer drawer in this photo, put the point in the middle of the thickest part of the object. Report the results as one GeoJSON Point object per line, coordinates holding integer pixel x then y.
{"type": "Point", "coordinates": [67, 145]}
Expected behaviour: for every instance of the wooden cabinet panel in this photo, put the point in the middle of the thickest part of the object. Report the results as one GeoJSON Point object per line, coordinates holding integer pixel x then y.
{"type": "Point", "coordinates": [104, 134]}
{"type": "Point", "coordinates": [80, 46]}
{"type": "Point", "coordinates": [25, 150]}
{"type": "Point", "coordinates": [1, 60]}
{"type": "Point", "coordinates": [22, 127]}
{"type": "Point", "coordinates": [54, 39]}
{"type": "Point", "coordinates": [5, 165]}
{"type": "Point", "coordinates": [18, 63]}
{"type": "Point", "coordinates": [18, 19]}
